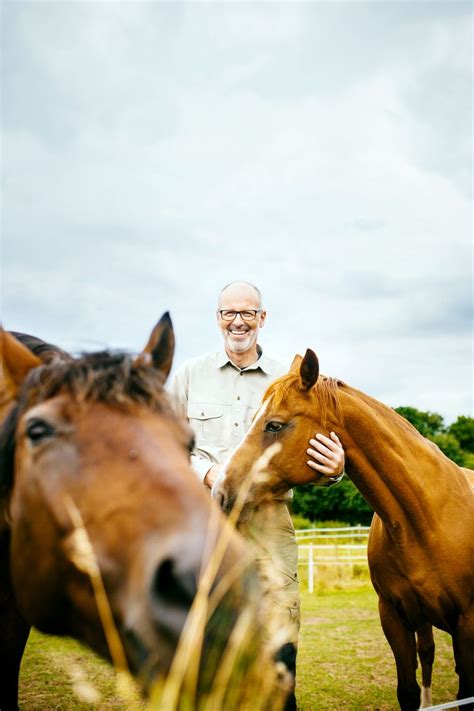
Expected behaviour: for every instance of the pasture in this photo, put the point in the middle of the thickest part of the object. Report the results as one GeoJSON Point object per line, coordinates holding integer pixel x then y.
{"type": "Point", "coordinates": [344, 662]}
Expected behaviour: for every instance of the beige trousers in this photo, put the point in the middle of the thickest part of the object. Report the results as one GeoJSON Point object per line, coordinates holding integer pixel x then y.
{"type": "Point", "coordinates": [271, 533]}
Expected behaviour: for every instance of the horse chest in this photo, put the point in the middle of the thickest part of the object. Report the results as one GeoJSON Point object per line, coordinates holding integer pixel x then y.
{"type": "Point", "coordinates": [419, 586]}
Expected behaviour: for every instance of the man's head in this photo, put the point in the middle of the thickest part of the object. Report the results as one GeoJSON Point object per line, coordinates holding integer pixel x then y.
{"type": "Point", "coordinates": [240, 330]}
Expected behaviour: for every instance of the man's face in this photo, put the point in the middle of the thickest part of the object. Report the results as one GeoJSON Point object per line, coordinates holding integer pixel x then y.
{"type": "Point", "coordinates": [240, 335]}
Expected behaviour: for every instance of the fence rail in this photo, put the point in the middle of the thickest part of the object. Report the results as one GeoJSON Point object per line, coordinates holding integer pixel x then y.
{"type": "Point", "coordinates": [452, 704]}
{"type": "Point", "coordinates": [331, 547]}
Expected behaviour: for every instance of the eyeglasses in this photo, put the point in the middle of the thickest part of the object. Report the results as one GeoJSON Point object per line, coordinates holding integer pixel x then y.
{"type": "Point", "coordinates": [248, 315]}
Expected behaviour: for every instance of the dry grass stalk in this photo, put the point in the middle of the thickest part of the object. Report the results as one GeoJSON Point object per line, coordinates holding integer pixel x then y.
{"type": "Point", "coordinates": [81, 554]}
{"type": "Point", "coordinates": [83, 689]}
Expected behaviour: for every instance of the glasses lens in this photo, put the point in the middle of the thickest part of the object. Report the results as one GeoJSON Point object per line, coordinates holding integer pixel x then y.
{"type": "Point", "coordinates": [245, 315]}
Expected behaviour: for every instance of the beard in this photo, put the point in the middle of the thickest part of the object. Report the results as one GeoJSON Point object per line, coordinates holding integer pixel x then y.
{"type": "Point", "coordinates": [238, 345]}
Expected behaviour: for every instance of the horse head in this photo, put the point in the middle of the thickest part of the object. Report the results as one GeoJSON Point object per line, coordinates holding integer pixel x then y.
{"type": "Point", "coordinates": [272, 457]}
{"type": "Point", "coordinates": [99, 493]}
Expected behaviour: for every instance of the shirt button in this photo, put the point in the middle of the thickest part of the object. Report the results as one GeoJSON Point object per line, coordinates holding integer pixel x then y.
{"type": "Point", "coordinates": [238, 397]}
{"type": "Point", "coordinates": [236, 424]}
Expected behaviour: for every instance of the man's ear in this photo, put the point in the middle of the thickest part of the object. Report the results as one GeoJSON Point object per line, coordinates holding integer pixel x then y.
{"type": "Point", "coordinates": [159, 350]}
{"type": "Point", "coordinates": [309, 370]}
{"type": "Point", "coordinates": [263, 316]}
{"type": "Point", "coordinates": [16, 361]}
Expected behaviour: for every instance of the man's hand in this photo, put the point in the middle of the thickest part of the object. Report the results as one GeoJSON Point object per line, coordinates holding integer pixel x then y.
{"type": "Point", "coordinates": [211, 475]}
{"type": "Point", "coordinates": [328, 453]}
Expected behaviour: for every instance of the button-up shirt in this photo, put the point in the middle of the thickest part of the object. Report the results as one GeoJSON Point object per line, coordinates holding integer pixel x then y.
{"type": "Point", "coordinates": [219, 400]}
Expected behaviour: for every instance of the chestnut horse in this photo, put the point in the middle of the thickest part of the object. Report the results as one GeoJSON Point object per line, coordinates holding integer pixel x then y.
{"type": "Point", "coordinates": [95, 439]}
{"type": "Point", "coordinates": [421, 543]}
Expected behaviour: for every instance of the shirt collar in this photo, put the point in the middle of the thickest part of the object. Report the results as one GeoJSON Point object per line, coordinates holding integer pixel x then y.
{"type": "Point", "coordinates": [263, 363]}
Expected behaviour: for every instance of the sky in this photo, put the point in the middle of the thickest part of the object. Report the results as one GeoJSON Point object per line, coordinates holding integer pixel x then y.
{"type": "Point", "coordinates": [154, 151]}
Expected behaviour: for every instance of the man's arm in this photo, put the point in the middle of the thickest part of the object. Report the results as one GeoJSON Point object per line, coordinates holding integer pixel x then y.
{"type": "Point", "coordinates": [178, 390]}
{"type": "Point", "coordinates": [205, 469]}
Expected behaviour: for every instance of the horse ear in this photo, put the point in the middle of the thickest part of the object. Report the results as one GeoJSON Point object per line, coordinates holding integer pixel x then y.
{"type": "Point", "coordinates": [16, 361]}
{"type": "Point", "coordinates": [295, 364]}
{"type": "Point", "coordinates": [309, 369]}
{"type": "Point", "coordinates": [160, 347]}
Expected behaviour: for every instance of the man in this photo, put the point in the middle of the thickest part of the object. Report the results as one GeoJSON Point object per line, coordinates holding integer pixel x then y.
{"type": "Point", "coordinates": [218, 394]}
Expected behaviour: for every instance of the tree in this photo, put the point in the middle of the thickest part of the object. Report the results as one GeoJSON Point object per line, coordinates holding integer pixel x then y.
{"type": "Point", "coordinates": [456, 441]}
{"type": "Point", "coordinates": [463, 430]}
{"type": "Point", "coordinates": [450, 446]}
{"type": "Point", "coordinates": [342, 502]}
{"type": "Point", "coordinates": [427, 423]}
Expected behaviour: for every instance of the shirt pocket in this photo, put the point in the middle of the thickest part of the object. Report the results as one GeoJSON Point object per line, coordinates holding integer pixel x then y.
{"type": "Point", "coordinates": [206, 419]}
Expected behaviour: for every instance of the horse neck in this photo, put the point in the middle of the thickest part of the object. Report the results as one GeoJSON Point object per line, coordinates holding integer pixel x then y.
{"type": "Point", "coordinates": [400, 474]}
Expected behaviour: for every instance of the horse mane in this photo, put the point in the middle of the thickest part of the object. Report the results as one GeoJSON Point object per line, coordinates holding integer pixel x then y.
{"type": "Point", "coordinates": [48, 352]}
{"type": "Point", "coordinates": [393, 415]}
{"type": "Point", "coordinates": [325, 389]}
{"type": "Point", "coordinates": [111, 378]}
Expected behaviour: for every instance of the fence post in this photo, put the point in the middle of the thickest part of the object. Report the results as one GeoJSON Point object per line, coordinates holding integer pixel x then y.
{"type": "Point", "coordinates": [310, 569]}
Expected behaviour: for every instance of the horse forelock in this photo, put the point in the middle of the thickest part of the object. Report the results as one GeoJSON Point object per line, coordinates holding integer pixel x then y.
{"type": "Point", "coordinates": [279, 388]}
{"type": "Point", "coordinates": [325, 392]}
{"type": "Point", "coordinates": [107, 377]}
{"type": "Point", "coordinates": [111, 378]}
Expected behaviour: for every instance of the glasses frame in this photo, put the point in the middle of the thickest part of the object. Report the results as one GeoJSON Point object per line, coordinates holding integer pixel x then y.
{"type": "Point", "coordinates": [239, 313]}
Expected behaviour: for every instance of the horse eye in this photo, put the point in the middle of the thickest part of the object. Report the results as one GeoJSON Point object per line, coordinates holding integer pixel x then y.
{"type": "Point", "coordinates": [274, 426]}
{"type": "Point", "coordinates": [38, 430]}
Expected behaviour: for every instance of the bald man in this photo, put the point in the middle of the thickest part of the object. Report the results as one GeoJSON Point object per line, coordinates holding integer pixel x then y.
{"type": "Point", "coordinates": [218, 394]}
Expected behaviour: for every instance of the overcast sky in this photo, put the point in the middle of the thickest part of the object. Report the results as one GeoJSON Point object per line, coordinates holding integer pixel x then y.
{"type": "Point", "coordinates": [154, 151]}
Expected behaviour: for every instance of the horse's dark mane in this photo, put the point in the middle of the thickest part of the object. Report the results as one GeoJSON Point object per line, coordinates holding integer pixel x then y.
{"type": "Point", "coordinates": [112, 378]}
{"type": "Point", "coordinates": [7, 451]}
{"type": "Point", "coordinates": [46, 351]}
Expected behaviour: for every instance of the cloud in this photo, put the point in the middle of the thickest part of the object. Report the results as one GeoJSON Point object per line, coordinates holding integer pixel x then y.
{"type": "Point", "coordinates": [155, 151]}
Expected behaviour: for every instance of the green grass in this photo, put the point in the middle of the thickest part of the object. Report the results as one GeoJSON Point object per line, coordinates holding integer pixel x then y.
{"type": "Point", "coordinates": [344, 662]}
{"type": "Point", "coordinates": [53, 673]}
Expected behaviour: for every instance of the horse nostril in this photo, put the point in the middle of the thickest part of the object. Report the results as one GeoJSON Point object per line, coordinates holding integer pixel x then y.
{"type": "Point", "coordinates": [172, 585]}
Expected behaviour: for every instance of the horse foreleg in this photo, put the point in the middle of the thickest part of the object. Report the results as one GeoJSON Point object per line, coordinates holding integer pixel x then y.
{"type": "Point", "coordinates": [426, 651]}
{"type": "Point", "coordinates": [13, 635]}
{"type": "Point", "coordinates": [463, 646]}
{"type": "Point", "coordinates": [403, 644]}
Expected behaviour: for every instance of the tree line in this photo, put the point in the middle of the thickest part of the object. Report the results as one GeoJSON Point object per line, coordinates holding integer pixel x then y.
{"type": "Point", "coordinates": [344, 503]}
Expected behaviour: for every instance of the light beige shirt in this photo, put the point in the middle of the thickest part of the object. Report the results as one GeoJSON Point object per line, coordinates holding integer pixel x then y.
{"type": "Point", "coordinates": [219, 400]}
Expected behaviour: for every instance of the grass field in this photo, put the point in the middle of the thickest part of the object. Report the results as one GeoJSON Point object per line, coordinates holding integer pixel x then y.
{"type": "Point", "coordinates": [344, 663]}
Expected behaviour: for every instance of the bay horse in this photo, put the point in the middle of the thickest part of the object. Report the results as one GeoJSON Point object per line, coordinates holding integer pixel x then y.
{"type": "Point", "coordinates": [96, 439]}
{"type": "Point", "coordinates": [421, 541]}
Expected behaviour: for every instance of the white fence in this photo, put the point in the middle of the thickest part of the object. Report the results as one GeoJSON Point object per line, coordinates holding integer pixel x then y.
{"type": "Point", "coordinates": [331, 547]}
{"type": "Point", "coordinates": [452, 704]}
